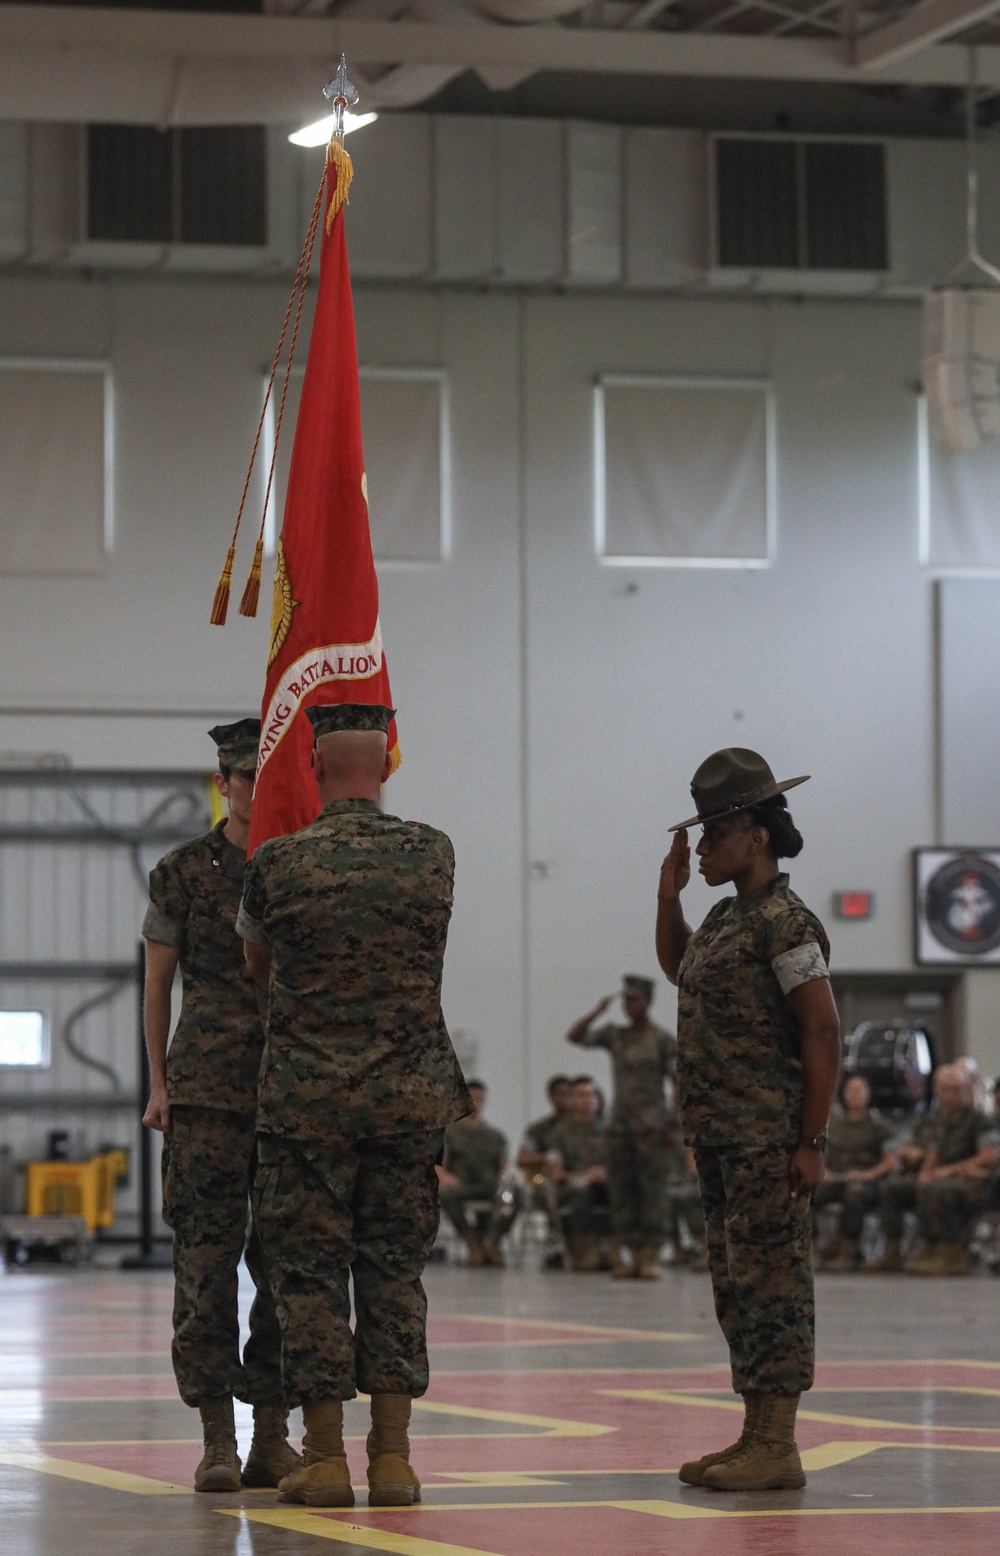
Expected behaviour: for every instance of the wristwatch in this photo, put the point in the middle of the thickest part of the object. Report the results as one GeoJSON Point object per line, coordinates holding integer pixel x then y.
{"type": "Point", "coordinates": [815, 1142]}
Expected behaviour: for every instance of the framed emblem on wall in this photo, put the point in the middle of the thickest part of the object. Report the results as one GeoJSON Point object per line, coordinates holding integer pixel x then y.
{"type": "Point", "coordinates": [957, 906]}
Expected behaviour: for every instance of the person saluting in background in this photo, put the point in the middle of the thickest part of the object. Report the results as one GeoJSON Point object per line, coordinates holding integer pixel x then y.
{"type": "Point", "coordinates": [758, 1057]}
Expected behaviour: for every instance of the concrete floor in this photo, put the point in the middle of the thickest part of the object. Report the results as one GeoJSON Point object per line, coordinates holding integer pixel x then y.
{"type": "Point", "coordinates": [559, 1410]}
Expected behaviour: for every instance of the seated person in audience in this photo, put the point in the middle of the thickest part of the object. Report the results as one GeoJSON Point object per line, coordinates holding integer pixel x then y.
{"type": "Point", "coordinates": [475, 1159]}
{"type": "Point", "coordinates": [579, 1171]}
{"type": "Point", "coordinates": [954, 1179]}
{"type": "Point", "coordinates": [898, 1191]}
{"type": "Point", "coordinates": [684, 1204]}
{"type": "Point", "coordinates": [535, 1146]}
{"type": "Point", "coordinates": [858, 1156]}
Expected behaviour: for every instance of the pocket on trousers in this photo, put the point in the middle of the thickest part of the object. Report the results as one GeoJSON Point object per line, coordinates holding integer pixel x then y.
{"type": "Point", "coordinates": [178, 1193]}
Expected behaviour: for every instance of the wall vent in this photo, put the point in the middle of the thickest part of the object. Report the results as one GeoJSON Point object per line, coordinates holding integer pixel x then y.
{"type": "Point", "coordinates": [201, 185]}
{"type": "Point", "coordinates": [785, 204]}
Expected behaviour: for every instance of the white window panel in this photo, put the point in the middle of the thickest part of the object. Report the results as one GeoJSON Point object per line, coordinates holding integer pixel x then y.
{"type": "Point", "coordinates": [56, 453]}
{"type": "Point", "coordinates": [23, 1038]}
{"type": "Point", "coordinates": [684, 472]}
{"type": "Point", "coordinates": [958, 506]}
{"type": "Point", "coordinates": [405, 425]}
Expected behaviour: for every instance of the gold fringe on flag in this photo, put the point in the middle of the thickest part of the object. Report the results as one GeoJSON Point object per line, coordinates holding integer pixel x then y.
{"type": "Point", "coordinates": [251, 594]}
{"type": "Point", "coordinates": [395, 757]}
{"type": "Point", "coordinates": [336, 154]}
{"type": "Point", "coordinates": [220, 605]}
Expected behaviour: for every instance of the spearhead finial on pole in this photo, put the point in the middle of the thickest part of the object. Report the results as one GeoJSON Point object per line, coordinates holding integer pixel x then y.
{"type": "Point", "coordinates": [341, 94]}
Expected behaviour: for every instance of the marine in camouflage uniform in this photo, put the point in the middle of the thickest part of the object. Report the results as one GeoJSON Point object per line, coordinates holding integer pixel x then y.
{"type": "Point", "coordinates": [206, 1097]}
{"type": "Point", "coordinates": [753, 1001]}
{"type": "Point", "coordinates": [347, 922]}
{"type": "Point", "coordinates": [475, 1158]}
{"type": "Point", "coordinates": [953, 1183]}
{"type": "Point", "coordinates": [579, 1145]}
{"type": "Point", "coordinates": [739, 1083]}
{"type": "Point", "coordinates": [642, 1059]}
{"type": "Point", "coordinates": [859, 1157]}
{"type": "Point", "coordinates": [531, 1157]}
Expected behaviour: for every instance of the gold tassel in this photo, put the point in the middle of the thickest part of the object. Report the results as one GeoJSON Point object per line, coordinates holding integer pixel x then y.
{"type": "Point", "coordinates": [220, 605]}
{"type": "Point", "coordinates": [251, 594]}
{"type": "Point", "coordinates": [395, 757]}
{"type": "Point", "coordinates": [345, 172]}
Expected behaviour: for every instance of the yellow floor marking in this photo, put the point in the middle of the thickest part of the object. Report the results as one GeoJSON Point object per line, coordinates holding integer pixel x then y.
{"type": "Point", "coordinates": [831, 1418]}
{"type": "Point", "coordinates": [352, 1534]}
{"type": "Point", "coordinates": [445, 1478]}
{"type": "Point", "coordinates": [93, 1474]}
{"type": "Point", "coordinates": [828, 1455]}
{"type": "Point", "coordinates": [553, 1425]}
{"type": "Point", "coordinates": [606, 1330]}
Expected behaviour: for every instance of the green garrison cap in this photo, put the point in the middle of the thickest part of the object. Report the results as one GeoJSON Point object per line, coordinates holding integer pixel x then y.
{"type": "Point", "coordinates": [332, 718]}
{"type": "Point", "coordinates": [633, 984]}
{"type": "Point", "coordinates": [237, 743]}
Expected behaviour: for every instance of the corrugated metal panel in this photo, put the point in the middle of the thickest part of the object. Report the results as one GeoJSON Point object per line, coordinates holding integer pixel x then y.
{"type": "Point", "coordinates": [391, 203]}
{"type": "Point", "coordinates": [77, 902]}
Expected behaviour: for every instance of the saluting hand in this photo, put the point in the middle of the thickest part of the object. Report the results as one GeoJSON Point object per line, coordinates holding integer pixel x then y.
{"type": "Point", "coordinates": [675, 872]}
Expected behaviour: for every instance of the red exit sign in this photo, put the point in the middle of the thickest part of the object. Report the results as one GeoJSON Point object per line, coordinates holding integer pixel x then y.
{"type": "Point", "coordinates": [854, 904]}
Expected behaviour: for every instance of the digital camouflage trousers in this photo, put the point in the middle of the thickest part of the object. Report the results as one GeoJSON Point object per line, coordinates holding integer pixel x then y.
{"type": "Point", "coordinates": [760, 1260]}
{"type": "Point", "coordinates": [208, 1165]}
{"type": "Point", "coordinates": [361, 1208]}
{"type": "Point", "coordinates": [638, 1164]}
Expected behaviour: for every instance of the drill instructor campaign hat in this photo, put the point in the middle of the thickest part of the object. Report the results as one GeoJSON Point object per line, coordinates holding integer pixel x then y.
{"type": "Point", "coordinates": [732, 780]}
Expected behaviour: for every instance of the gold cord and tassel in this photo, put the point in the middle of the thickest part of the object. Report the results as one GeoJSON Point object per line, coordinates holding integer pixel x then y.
{"type": "Point", "coordinates": [251, 594]}
{"type": "Point", "coordinates": [220, 604]}
{"type": "Point", "coordinates": [336, 154]}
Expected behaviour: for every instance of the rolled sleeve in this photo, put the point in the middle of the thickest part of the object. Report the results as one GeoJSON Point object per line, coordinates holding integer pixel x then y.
{"type": "Point", "coordinates": [162, 927]}
{"type": "Point", "coordinates": [598, 1038]}
{"type": "Point", "coordinates": [802, 964]}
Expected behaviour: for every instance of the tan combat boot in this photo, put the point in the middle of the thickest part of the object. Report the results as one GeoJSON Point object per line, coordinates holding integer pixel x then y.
{"type": "Point", "coordinates": [647, 1261]}
{"type": "Point", "coordinates": [219, 1469]}
{"type": "Point", "coordinates": [928, 1260]}
{"type": "Point", "coordinates": [891, 1262]}
{"type": "Point", "coordinates": [770, 1460]}
{"type": "Point", "coordinates": [692, 1472]}
{"type": "Point", "coordinates": [698, 1260]}
{"type": "Point", "coordinates": [271, 1455]}
{"type": "Point", "coordinates": [493, 1253]}
{"type": "Point", "coordinates": [392, 1481]}
{"type": "Point", "coordinates": [841, 1258]}
{"type": "Point", "coordinates": [623, 1266]}
{"type": "Point", "coordinates": [588, 1255]}
{"type": "Point", "coordinates": [323, 1479]}
{"type": "Point", "coordinates": [955, 1258]}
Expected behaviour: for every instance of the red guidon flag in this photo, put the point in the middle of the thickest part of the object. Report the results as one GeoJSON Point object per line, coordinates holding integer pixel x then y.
{"type": "Point", "coordinates": [326, 641]}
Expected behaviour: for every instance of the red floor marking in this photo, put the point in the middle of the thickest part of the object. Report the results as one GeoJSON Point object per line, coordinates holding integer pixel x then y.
{"type": "Point", "coordinates": [596, 1531]}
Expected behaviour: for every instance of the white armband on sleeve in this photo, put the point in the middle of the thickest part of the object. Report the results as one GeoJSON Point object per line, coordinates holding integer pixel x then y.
{"type": "Point", "coordinates": [803, 964]}
{"type": "Point", "coordinates": [248, 928]}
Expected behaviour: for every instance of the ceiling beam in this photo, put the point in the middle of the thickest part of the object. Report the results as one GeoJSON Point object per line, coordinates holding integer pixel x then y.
{"type": "Point", "coordinates": [72, 64]}
{"type": "Point", "coordinates": [920, 29]}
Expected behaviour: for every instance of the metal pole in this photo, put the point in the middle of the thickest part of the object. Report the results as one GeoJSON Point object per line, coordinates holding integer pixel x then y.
{"type": "Point", "coordinates": [149, 1256]}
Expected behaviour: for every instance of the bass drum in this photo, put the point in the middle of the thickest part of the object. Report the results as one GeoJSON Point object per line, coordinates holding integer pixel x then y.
{"type": "Point", "coordinates": [896, 1059]}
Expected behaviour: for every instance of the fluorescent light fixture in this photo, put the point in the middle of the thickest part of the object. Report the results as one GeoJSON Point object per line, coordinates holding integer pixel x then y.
{"type": "Point", "coordinates": [319, 133]}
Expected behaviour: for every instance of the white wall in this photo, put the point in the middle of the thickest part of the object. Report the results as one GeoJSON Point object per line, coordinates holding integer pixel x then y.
{"type": "Point", "coordinates": [620, 681]}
